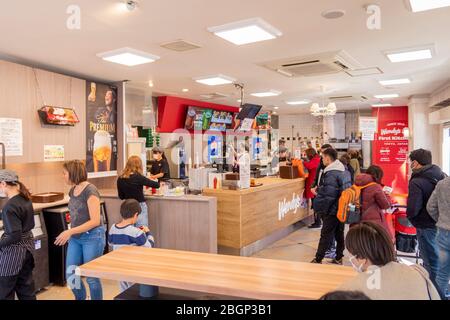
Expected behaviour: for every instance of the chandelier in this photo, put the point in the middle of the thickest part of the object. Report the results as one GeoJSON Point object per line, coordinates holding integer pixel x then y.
{"type": "Point", "coordinates": [323, 110]}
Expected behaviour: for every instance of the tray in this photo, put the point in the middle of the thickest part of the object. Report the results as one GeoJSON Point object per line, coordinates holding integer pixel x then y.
{"type": "Point", "coordinates": [47, 197]}
{"type": "Point", "coordinates": [256, 185]}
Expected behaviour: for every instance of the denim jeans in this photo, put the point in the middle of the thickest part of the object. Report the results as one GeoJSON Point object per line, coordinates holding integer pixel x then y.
{"type": "Point", "coordinates": [429, 250]}
{"type": "Point", "coordinates": [143, 217]}
{"type": "Point", "coordinates": [82, 249]}
{"type": "Point", "coordinates": [443, 274]}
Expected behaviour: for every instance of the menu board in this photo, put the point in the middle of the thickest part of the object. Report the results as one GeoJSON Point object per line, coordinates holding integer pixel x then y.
{"type": "Point", "coordinates": [11, 136]}
{"type": "Point", "coordinates": [101, 130]}
{"type": "Point", "coordinates": [368, 127]}
{"type": "Point", "coordinates": [392, 145]}
{"type": "Point", "coordinates": [208, 119]}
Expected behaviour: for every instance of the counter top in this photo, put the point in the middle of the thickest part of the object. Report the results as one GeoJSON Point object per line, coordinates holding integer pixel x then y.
{"type": "Point", "coordinates": [42, 206]}
{"type": "Point", "coordinates": [268, 183]}
{"type": "Point", "coordinates": [112, 193]}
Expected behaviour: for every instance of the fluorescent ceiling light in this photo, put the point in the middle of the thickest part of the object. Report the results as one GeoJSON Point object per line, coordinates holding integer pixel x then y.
{"type": "Point", "coordinates": [271, 93]}
{"type": "Point", "coordinates": [185, 90]}
{"type": "Point", "coordinates": [276, 108]}
{"type": "Point", "coordinates": [246, 31]}
{"type": "Point", "coordinates": [386, 96]}
{"type": "Point", "coordinates": [410, 54]}
{"type": "Point", "coordinates": [424, 5]}
{"type": "Point", "coordinates": [382, 105]}
{"type": "Point", "coordinates": [394, 82]}
{"type": "Point", "coordinates": [128, 56]}
{"type": "Point", "coordinates": [297, 102]}
{"type": "Point", "coordinates": [215, 80]}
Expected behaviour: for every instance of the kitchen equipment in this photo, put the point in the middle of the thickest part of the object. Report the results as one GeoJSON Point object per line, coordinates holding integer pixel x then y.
{"type": "Point", "coordinates": [47, 197]}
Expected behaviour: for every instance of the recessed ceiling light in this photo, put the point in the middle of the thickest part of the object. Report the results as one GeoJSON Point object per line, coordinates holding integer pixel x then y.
{"type": "Point", "coordinates": [215, 80]}
{"type": "Point", "coordinates": [412, 54]}
{"type": "Point", "coordinates": [297, 102]}
{"type": "Point", "coordinates": [333, 14]}
{"type": "Point", "coordinates": [239, 100]}
{"type": "Point", "coordinates": [394, 82]}
{"type": "Point", "coordinates": [386, 96]}
{"type": "Point", "coordinates": [128, 56]}
{"type": "Point", "coordinates": [246, 31]}
{"type": "Point", "coordinates": [424, 5]}
{"type": "Point", "coordinates": [274, 112]}
{"type": "Point", "coordinates": [150, 84]}
{"type": "Point", "coordinates": [276, 108]}
{"type": "Point", "coordinates": [271, 93]}
{"type": "Point", "coordinates": [185, 90]}
{"type": "Point", "coordinates": [382, 105]}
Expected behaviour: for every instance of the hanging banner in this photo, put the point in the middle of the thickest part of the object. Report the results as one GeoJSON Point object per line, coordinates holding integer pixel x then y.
{"type": "Point", "coordinates": [101, 130]}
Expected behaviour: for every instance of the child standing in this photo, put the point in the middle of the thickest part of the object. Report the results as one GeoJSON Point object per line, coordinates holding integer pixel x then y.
{"type": "Point", "coordinates": [125, 233]}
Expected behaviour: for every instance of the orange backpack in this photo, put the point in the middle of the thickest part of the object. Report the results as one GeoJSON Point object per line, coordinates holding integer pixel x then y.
{"type": "Point", "coordinates": [349, 209]}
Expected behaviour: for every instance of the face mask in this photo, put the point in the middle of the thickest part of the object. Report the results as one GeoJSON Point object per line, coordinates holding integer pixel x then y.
{"type": "Point", "coordinates": [357, 268]}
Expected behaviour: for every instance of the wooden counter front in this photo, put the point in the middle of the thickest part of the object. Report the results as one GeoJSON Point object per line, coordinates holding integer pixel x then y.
{"type": "Point", "coordinates": [249, 215]}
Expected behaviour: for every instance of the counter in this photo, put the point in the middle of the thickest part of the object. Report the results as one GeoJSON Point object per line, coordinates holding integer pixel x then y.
{"type": "Point", "coordinates": [42, 206]}
{"type": "Point", "coordinates": [185, 222]}
{"type": "Point", "coordinates": [250, 219]}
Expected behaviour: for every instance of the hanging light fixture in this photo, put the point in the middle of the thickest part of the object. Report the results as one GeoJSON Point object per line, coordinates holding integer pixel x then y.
{"type": "Point", "coordinates": [323, 110]}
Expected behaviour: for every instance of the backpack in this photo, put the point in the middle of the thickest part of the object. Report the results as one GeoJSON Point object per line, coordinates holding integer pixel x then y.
{"type": "Point", "coordinates": [349, 208]}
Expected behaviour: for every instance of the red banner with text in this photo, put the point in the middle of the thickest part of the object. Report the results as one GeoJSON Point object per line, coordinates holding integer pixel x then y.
{"type": "Point", "coordinates": [391, 147]}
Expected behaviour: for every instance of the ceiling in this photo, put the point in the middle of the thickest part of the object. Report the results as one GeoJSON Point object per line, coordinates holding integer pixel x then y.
{"type": "Point", "coordinates": [34, 32]}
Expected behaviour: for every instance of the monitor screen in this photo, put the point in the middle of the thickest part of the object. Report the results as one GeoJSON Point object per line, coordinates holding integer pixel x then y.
{"type": "Point", "coordinates": [249, 111]}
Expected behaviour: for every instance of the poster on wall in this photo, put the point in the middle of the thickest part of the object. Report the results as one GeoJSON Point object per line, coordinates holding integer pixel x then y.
{"type": "Point", "coordinates": [53, 153]}
{"type": "Point", "coordinates": [368, 127]}
{"type": "Point", "coordinates": [11, 136]}
{"type": "Point", "coordinates": [393, 146]}
{"type": "Point", "coordinates": [101, 130]}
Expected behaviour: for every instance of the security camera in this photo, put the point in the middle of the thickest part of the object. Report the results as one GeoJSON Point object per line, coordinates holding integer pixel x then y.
{"type": "Point", "coordinates": [131, 5]}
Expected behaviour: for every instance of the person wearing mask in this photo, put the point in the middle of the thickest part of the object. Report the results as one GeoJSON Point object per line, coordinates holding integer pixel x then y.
{"type": "Point", "coordinates": [380, 276]}
{"type": "Point", "coordinates": [311, 164]}
{"type": "Point", "coordinates": [374, 200]}
{"type": "Point", "coordinates": [86, 238]}
{"type": "Point", "coordinates": [130, 185]}
{"type": "Point", "coordinates": [354, 162]}
{"type": "Point", "coordinates": [16, 243]}
{"type": "Point", "coordinates": [313, 189]}
{"type": "Point", "coordinates": [160, 167]}
{"type": "Point", "coordinates": [345, 159]}
{"type": "Point", "coordinates": [439, 209]}
{"type": "Point", "coordinates": [423, 180]}
{"type": "Point", "coordinates": [332, 182]}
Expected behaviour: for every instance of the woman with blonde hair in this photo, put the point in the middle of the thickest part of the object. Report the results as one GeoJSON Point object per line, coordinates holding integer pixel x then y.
{"type": "Point", "coordinates": [130, 185]}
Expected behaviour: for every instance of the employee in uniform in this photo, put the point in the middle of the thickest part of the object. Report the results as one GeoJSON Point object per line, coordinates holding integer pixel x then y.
{"type": "Point", "coordinates": [16, 243]}
{"type": "Point", "coordinates": [160, 167]}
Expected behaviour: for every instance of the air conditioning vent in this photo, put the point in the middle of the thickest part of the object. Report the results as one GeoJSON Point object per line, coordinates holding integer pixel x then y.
{"type": "Point", "coordinates": [214, 96]}
{"type": "Point", "coordinates": [314, 65]}
{"type": "Point", "coordinates": [347, 98]}
{"type": "Point", "coordinates": [180, 45]}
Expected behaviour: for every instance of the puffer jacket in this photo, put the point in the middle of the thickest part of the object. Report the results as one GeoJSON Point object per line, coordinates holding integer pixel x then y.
{"type": "Point", "coordinates": [421, 186]}
{"type": "Point", "coordinates": [332, 182]}
{"type": "Point", "coordinates": [374, 201]}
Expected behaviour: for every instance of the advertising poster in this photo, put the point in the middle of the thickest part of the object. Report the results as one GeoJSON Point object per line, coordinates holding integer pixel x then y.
{"type": "Point", "coordinates": [391, 148]}
{"type": "Point", "coordinates": [368, 127]}
{"type": "Point", "coordinates": [101, 130]}
{"type": "Point", "coordinates": [53, 153]}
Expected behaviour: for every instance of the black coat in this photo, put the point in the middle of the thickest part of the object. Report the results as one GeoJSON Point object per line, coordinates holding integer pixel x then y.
{"type": "Point", "coordinates": [421, 186]}
{"type": "Point", "coordinates": [333, 181]}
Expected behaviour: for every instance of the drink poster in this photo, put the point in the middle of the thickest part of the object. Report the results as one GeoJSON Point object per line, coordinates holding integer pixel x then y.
{"type": "Point", "coordinates": [101, 130]}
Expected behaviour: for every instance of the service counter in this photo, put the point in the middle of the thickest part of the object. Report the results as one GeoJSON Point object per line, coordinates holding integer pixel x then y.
{"type": "Point", "coordinates": [250, 219]}
{"type": "Point", "coordinates": [186, 222]}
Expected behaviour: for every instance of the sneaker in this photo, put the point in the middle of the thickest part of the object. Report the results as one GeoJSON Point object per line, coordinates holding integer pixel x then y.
{"type": "Point", "coordinates": [330, 254]}
{"type": "Point", "coordinates": [339, 262]}
{"type": "Point", "coordinates": [315, 226]}
{"type": "Point", "coordinates": [316, 261]}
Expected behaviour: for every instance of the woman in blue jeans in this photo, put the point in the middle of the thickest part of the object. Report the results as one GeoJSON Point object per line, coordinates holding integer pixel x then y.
{"type": "Point", "coordinates": [86, 237]}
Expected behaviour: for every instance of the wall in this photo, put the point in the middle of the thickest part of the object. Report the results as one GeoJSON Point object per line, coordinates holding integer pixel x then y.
{"type": "Point", "coordinates": [20, 98]}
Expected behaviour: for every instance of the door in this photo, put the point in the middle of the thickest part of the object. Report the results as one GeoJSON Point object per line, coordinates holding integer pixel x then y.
{"type": "Point", "coordinates": [446, 149]}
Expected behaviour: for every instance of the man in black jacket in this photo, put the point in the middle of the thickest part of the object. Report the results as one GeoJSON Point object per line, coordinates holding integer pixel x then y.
{"type": "Point", "coordinates": [424, 178]}
{"type": "Point", "coordinates": [332, 182]}
{"type": "Point", "coordinates": [317, 223]}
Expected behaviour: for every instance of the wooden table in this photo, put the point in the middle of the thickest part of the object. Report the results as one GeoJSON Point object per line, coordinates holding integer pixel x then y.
{"type": "Point", "coordinates": [252, 278]}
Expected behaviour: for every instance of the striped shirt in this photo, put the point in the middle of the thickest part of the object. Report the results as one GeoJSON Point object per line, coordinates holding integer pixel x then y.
{"type": "Point", "coordinates": [129, 236]}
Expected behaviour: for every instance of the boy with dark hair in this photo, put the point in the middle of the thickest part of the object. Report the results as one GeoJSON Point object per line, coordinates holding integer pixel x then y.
{"type": "Point", "coordinates": [424, 179]}
{"type": "Point", "coordinates": [332, 182]}
{"type": "Point", "coordinates": [125, 233]}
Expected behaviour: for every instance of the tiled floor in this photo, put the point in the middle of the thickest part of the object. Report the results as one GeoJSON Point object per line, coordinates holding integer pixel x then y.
{"type": "Point", "coordinates": [298, 246]}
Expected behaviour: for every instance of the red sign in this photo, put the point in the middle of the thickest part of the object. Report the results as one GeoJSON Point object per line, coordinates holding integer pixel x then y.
{"type": "Point", "coordinates": [390, 147]}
